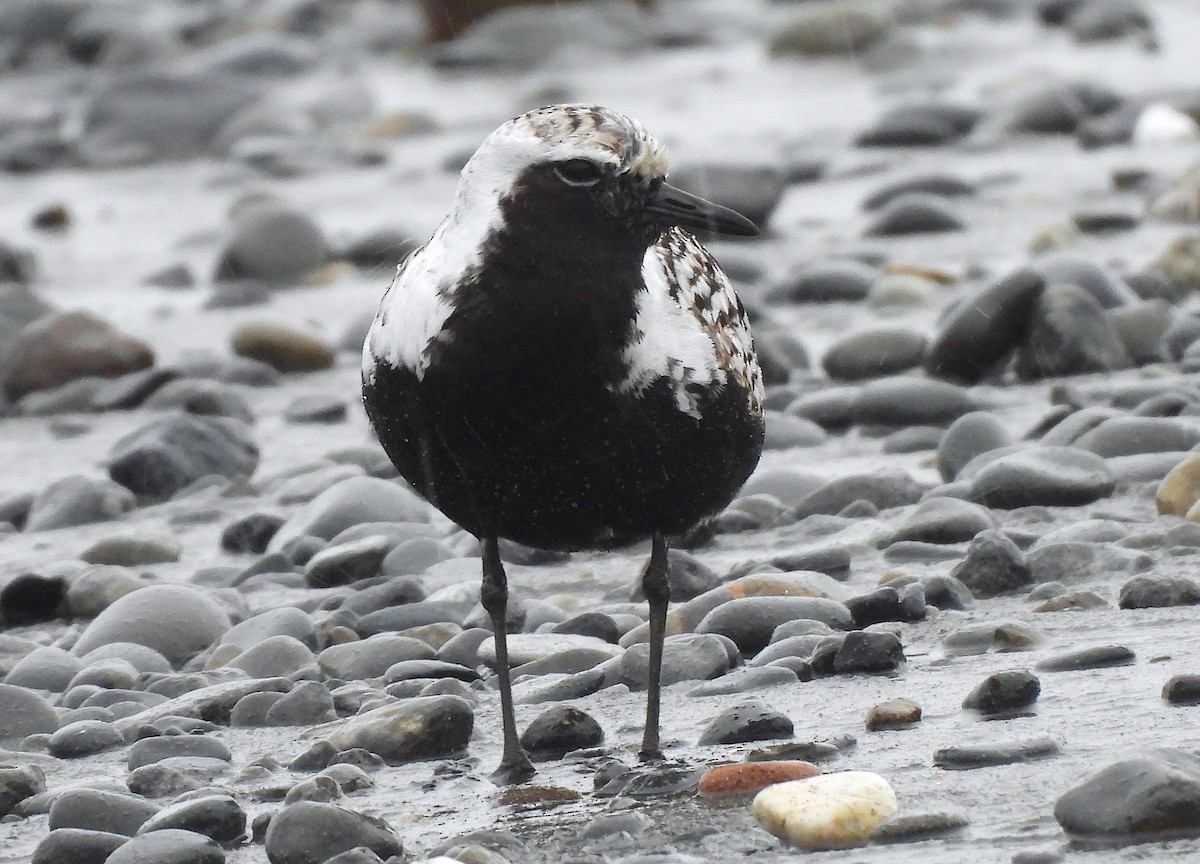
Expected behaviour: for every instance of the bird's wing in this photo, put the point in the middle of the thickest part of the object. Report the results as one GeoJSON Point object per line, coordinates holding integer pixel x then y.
{"type": "Point", "coordinates": [697, 284]}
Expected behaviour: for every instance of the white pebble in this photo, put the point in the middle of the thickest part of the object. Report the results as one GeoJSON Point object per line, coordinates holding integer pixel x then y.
{"type": "Point", "coordinates": [1162, 124]}
{"type": "Point", "coordinates": [829, 811]}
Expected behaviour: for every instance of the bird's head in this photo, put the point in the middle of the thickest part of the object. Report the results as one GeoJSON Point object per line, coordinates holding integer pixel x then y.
{"type": "Point", "coordinates": [585, 173]}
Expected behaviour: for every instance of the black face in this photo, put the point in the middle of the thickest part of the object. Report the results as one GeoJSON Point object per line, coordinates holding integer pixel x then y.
{"type": "Point", "coordinates": [569, 207]}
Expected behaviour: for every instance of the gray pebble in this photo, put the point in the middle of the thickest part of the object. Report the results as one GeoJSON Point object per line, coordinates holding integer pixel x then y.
{"type": "Point", "coordinates": [274, 657]}
{"type": "Point", "coordinates": [874, 353]}
{"type": "Point", "coordinates": [202, 397]}
{"type": "Point", "coordinates": [750, 621]}
{"type": "Point", "coordinates": [993, 565]}
{"type": "Point", "coordinates": [316, 408]}
{"type": "Point", "coordinates": [306, 704]}
{"type": "Point", "coordinates": [914, 213]}
{"type": "Point", "coordinates": [83, 738]}
{"type": "Point", "coordinates": [147, 751]}
{"type": "Point", "coordinates": [1151, 793]}
{"type": "Point", "coordinates": [686, 657]}
{"type": "Point", "coordinates": [884, 489]}
{"type": "Point", "coordinates": [1049, 476]}
{"type": "Point", "coordinates": [1149, 592]}
{"type": "Point", "coordinates": [19, 783]}
{"type": "Point", "coordinates": [77, 845]}
{"type": "Point", "coordinates": [169, 846]}
{"type": "Point", "coordinates": [45, 668]}
{"type": "Point", "coordinates": [752, 720]}
{"type": "Point", "coordinates": [371, 657]}
{"type": "Point", "coordinates": [167, 454]}
{"type": "Point", "coordinates": [966, 757]}
{"type": "Point", "coordinates": [970, 435]}
{"type": "Point", "coordinates": [98, 810]}
{"type": "Point", "coordinates": [867, 651]}
{"type": "Point", "coordinates": [827, 282]}
{"type": "Point", "coordinates": [174, 620]}
{"type": "Point", "coordinates": [785, 431]}
{"type": "Point", "coordinates": [1004, 692]}
{"type": "Point", "coordinates": [77, 500]}
{"type": "Point", "coordinates": [910, 401]}
{"type": "Point", "coordinates": [559, 730]}
{"type": "Point", "coordinates": [23, 712]}
{"type": "Point", "coordinates": [125, 550]}
{"type": "Point", "coordinates": [944, 520]}
{"type": "Point", "coordinates": [745, 680]}
{"type": "Point", "coordinates": [351, 502]}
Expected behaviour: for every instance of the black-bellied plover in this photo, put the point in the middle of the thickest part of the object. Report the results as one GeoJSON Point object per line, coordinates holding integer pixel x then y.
{"type": "Point", "coordinates": [564, 366]}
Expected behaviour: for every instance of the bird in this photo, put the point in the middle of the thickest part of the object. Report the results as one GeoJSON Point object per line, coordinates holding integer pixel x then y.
{"type": "Point", "coordinates": [566, 366]}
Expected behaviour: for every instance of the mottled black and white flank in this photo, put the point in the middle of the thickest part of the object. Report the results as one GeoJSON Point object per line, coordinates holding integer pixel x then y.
{"type": "Point", "coordinates": [562, 364]}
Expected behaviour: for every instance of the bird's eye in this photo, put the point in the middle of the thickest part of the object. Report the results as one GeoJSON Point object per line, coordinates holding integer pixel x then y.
{"type": "Point", "coordinates": [578, 172]}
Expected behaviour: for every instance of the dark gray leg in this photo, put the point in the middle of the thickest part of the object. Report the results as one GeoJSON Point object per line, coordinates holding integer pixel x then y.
{"type": "Point", "coordinates": [515, 766]}
{"type": "Point", "coordinates": [658, 591]}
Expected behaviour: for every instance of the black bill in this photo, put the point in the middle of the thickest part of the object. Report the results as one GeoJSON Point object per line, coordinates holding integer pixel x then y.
{"type": "Point", "coordinates": [691, 211]}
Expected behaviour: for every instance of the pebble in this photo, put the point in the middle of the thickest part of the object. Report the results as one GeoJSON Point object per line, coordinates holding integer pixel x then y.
{"type": "Point", "coordinates": [77, 500]}
{"type": "Point", "coordinates": [66, 346]}
{"type": "Point", "coordinates": [1126, 436]}
{"type": "Point", "coordinates": [316, 408]}
{"type": "Point", "coordinates": [174, 620]}
{"type": "Point", "coordinates": [202, 397]}
{"type": "Point", "coordinates": [1179, 490]}
{"type": "Point", "coordinates": [250, 533]}
{"type": "Point", "coordinates": [559, 730]}
{"type": "Point", "coordinates": [1050, 476]}
{"type": "Point", "coordinates": [993, 565]}
{"type": "Point", "coordinates": [133, 551]}
{"type": "Point", "coordinates": [969, 436]}
{"type": "Point", "coordinates": [218, 817]}
{"type": "Point", "coordinates": [910, 401]}
{"type": "Point", "coordinates": [914, 213]}
{"type": "Point", "coordinates": [944, 520]}
{"type": "Point", "coordinates": [1183, 689]}
{"type": "Point", "coordinates": [419, 728]}
{"type": "Point", "coordinates": [747, 778]}
{"type": "Point", "coordinates": [752, 720]}
{"type": "Point", "coordinates": [44, 668]}
{"type": "Point", "coordinates": [893, 714]}
{"type": "Point", "coordinates": [23, 712]}
{"type": "Point", "coordinates": [686, 657]}
{"type": "Point", "coordinates": [1068, 335]}
{"type": "Point", "coordinates": [1150, 592]}
{"type": "Point", "coordinates": [942, 185]}
{"type": "Point", "coordinates": [971, 756]}
{"type": "Point", "coordinates": [1003, 692]}
{"type": "Point", "coordinates": [830, 811]}
{"type": "Point", "coordinates": [97, 810]}
{"type": "Point", "coordinates": [1146, 796]}
{"type": "Point", "coordinates": [371, 657]}
{"type": "Point", "coordinates": [884, 489]}
{"type": "Point", "coordinates": [83, 738]}
{"type": "Point", "coordinates": [785, 431]}
{"type": "Point", "coordinates": [147, 751]}
{"type": "Point", "coordinates": [308, 831]}
{"type": "Point", "coordinates": [745, 680]}
{"type": "Point", "coordinates": [283, 348]}
{"type": "Point", "coordinates": [920, 124]}
{"type": "Point", "coordinates": [271, 241]}
{"type": "Point", "coordinates": [168, 846]}
{"type": "Point", "coordinates": [750, 621]}
{"type": "Point", "coordinates": [1095, 657]}
{"type": "Point", "coordinates": [826, 282]}
{"type": "Point", "coordinates": [874, 353]}
{"type": "Point", "coordinates": [350, 502]}
{"type": "Point", "coordinates": [170, 453]}
{"type": "Point", "coordinates": [866, 651]}
{"type": "Point", "coordinates": [985, 329]}
{"type": "Point", "coordinates": [830, 30]}
{"type": "Point", "coordinates": [19, 783]}
{"type": "Point", "coordinates": [77, 845]}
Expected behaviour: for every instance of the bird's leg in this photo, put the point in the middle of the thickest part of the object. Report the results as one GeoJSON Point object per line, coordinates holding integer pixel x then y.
{"type": "Point", "coordinates": [515, 766]}
{"type": "Point", "coordinates": [658, 591]}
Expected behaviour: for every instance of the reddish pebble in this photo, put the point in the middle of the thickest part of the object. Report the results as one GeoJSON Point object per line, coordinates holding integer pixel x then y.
{"type": "Point", "coordinates": [746, 778]}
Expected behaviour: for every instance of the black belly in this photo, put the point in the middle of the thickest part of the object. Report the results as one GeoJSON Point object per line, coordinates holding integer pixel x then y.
{"type": "Point", "coordinates": [557, 459]}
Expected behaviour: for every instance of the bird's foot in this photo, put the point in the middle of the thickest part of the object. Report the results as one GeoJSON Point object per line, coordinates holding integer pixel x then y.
{"type": "Point", "coordinates": [651, 755]}
{"type": "Point", "coordinates": [513, 769]}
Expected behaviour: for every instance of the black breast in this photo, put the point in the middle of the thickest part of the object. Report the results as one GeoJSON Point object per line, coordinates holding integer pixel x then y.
{"type": "Point", "coordinates": [517, 430]}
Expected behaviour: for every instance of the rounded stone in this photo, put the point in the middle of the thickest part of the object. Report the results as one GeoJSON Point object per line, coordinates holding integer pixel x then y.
{"type": "Point", "coordinates": [970, 435]}
{"type": "Point", "coordinates": [83, 738]}
{"type": "Point", "coordinates": [23, 712]}
{"type": "Point", "coordinates": [1004, 691]}
{"type": "Point", "coordinates": [831, 811]}
{"type": "Point", "coordinates": [1152, 794]}
{"type": "Point", "coordinates": [77, 845]}
{"type": "Point", "coordinates": [1049, 476]}
{"type": "Point", "coordinates": [874, 354]}
{"type": "Point", "coordinates": [284, 348]}
{"type": "Point", "coordinates": [986, 328]}
{"type": "Point", "coordinates": [65, 346]}
{"type": "Point", "coordinates": [174, 620]}
{"type": "Point", "coordinates": [310, 832]}
{"type": "Point", "coordinates": [168, 846]}
{"type": "Point", "coordinates": [272, 242]}
{"type": "Point", "coordinates": [172, 452]}
{"type": "Point", "coordinates": [559, 730]}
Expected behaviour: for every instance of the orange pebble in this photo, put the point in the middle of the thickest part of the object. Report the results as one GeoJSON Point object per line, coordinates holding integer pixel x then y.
{"type": "Point", "coordinates": [745, 778]}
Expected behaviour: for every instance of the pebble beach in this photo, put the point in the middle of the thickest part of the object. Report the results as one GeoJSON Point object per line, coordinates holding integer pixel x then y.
{"type": "Point", "coordinates": [951, 614]}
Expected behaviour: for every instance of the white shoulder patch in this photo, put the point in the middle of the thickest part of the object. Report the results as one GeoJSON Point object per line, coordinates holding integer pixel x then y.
{"type": "Point", "coordinates": [411, 314]}
{"type": "Point", "coordinates": [690, 326]}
